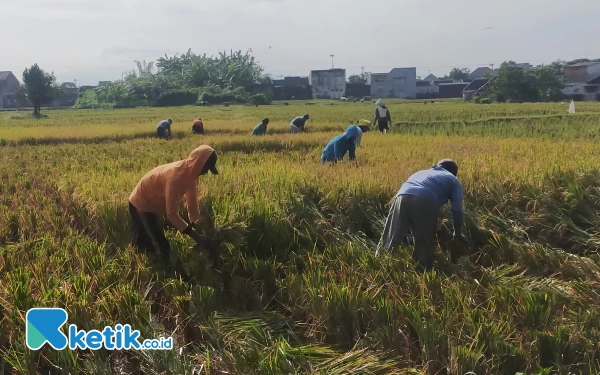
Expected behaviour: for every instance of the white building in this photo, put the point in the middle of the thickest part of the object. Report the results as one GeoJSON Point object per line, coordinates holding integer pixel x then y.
{"type": "Point", "coordinates": [328, 84]}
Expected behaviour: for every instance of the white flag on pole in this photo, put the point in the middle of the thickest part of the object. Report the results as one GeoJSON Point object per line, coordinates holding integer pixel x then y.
{"type": "Point", "coordinates": [572, 107]}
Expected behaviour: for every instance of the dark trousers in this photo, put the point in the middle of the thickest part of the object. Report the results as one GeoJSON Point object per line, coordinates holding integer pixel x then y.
{"type": "Point", "coordinates": [419, 216]}
{"type": "Point", "coordinates": [383, 125]}
{"type": "Point", "coordinates": [148, 234]}
{"type": "Point", "coordinates": [197, 129]}
{"type": "Point", "coordinates": [160, 132]}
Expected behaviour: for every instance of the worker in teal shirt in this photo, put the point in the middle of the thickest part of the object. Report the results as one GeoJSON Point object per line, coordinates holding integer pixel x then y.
{"type": "Point", "coordinates": [261, 129]}
{"type": "Point", "coordinates": [416, 208]}
{"type": "Point", "coordinates": [342, 144]}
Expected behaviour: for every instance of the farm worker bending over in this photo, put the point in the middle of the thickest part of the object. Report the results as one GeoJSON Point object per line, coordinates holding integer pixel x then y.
{"type": "Point", "coordinates": [297, 124]}
{"type": "Point", "coordinates": [163, 130]}
{"type": "Point", "coordinates": [198, 126]}
{"type": "Point", "coordinates": [159, 193]}
{"type": "Point", "coordinates": [342, 144]}
{"type": "Point", "coordinates": [382, 116]}
{"type": "Point", "coordinates": [261, 129]}
{"type": "Point", "coordinates": [416, 207]}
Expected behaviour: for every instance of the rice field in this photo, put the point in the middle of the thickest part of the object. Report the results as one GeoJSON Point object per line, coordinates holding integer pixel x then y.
{"type": "Point", "coordinates": [300, 290]}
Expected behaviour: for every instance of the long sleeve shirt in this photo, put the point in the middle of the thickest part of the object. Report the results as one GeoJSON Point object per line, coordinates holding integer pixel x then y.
{"type": "Point", "coordinates": [342, 144]}
{"type": "Point", "coordinates": [165, 125]}
{"type": "Point", "coordinates": [438, 185]}
{"type": "Point", "coordinates": [299, 122]}
{"type": "Point", "coordinates": [161, 189]}
{"type": "Point", "coordinates": [260, 129]}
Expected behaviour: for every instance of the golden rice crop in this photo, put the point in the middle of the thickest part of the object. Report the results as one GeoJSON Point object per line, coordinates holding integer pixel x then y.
{"type": "Point", "coordinates": [301, 290]}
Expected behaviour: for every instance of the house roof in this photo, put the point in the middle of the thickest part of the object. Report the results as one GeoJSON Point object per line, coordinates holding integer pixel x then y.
{"type": "Point", "coordinates": [479, 72]}
{"type": "Point", "coordinates": [430, 77]}
{"type": "Point", "coordinates": [584, 64]}
{"type": "Point", "coordinates": [337, 70]}
{"type": "Point", "coordinates": [594, 81]}
{"type": "Point", "coordinates": [4, 75]}
{"type": "Point", "coordinates": [477, 83]}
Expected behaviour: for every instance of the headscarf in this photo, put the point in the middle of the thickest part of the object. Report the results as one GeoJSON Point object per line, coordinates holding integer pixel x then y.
{"type": "Point", "coordinates": [354, 131]}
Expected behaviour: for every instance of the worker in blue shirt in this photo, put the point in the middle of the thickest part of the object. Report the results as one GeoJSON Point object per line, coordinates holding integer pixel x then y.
{"type": "Point", "coordinates": [261, 129]}
{"type": "Point", "coordinates": [416, 208]}
{"type": "Point", "coordinates": [342, 144]}
{"type": "Point", "coordinates": [163, 130]}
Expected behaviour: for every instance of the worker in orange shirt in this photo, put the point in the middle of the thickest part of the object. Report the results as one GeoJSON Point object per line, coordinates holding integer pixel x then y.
{"type": "Point", "coordinates": [198, 126]}
{"type": "Point", "coordinates": [159, 193]}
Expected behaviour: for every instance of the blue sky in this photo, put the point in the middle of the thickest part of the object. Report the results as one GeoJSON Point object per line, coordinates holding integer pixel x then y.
{"type": "Point", "coordinates": [92, 40]}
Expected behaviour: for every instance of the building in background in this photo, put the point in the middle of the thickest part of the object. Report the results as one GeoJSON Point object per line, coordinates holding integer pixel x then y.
{"type": "Point", "coordinates": [291, 88]}
{"type": "Point", "coordinates": [476, 87]}
{"type": "Point", "coordinates": [452, 90]}
{"type": "Point", "coordinates": [525, 66]}
{"type": "Point", "coordinates": [430, 78]}
{"type": "Point", "coordinates": [398, 83]}
{"type": "Point", "coordinates": [328, 84]}
{"type": "Point", "coordinates": [582, 81]}
{"type": "Point", "coordinates": [426, 89]}
{"type": "Point", "coordinates": [8, 85]}
{"type": "Point", "coordinates": [478, 73]}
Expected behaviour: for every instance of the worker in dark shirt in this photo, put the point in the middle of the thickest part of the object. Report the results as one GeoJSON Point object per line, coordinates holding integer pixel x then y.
{"type": "Point", "coordinates": [382, 116]}
{"type": "Point", "coordinates": [416, 208]}
{"type": "Point", "coordinates": [163, 130]}
{"type": "Point", "coordinates": [297, 124]}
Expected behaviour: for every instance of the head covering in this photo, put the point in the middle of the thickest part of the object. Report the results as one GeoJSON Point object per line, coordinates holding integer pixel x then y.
{"type": "Point", "coordinates": [380, 103]}
{"type": "Point", "coordinates": [354, 131]}
{"type": "Point", "coordinates": [211, 163]}
{"type": "Point", "coordinates": [202, 155]}
{"type": "Point", "coordinates": [265, 120]}
{"type": "Point", "coordinates": [449, 165]}
{"type": "Point", "coordinates": [170, 121]}
{"type": "Point", "coordinates": [306, 116]}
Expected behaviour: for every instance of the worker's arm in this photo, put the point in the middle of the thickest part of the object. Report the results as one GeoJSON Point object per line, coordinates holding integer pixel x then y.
{"type": "Point", "coordinates": [376, 116]}
{"type": "Point", "coordinates": [337, 152]}
{"type": "Point", "coordinates": [456, 200]}
{"type": "Point", "coordinates": [172, 209]}
{"type": "Point", "coordinates": [352, 151]}
{"type": "Point", "coordinates": [191, 201]}
{"type": "Point", "coordinates": [389, 116]}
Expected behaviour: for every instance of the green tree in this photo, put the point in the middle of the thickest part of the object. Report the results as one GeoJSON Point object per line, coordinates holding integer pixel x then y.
{"type": "Point", "coordinates": [359, 78]}
{"type": "Point", "coordinates": [459, 74]}
{"type": "Point", "coordinates": [548, 83]}
{"type": "Point", "coordinates": [513, 84]}
{"type": "Point", "coordinates": [39, 86]}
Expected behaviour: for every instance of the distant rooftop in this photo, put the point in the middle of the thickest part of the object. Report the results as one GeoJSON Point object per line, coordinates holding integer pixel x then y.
{"type": "Point", "coordinates": [4, 75]}
{"type": "Point", "coordinates": [328, 70]}
{"type": "Point", "coordinates": [584, 64]}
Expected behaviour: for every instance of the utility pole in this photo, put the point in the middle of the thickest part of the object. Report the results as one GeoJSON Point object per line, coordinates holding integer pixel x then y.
{"type": "Point", "coordinates": [492, 68]}
{"type": "Point", "coordinates": [75, 81]}
{"type": "Point", "coordinates": [332, 56]}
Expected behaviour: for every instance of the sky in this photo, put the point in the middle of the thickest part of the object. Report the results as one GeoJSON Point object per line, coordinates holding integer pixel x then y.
{"type": "Point", "coordinates": [93, 40]}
